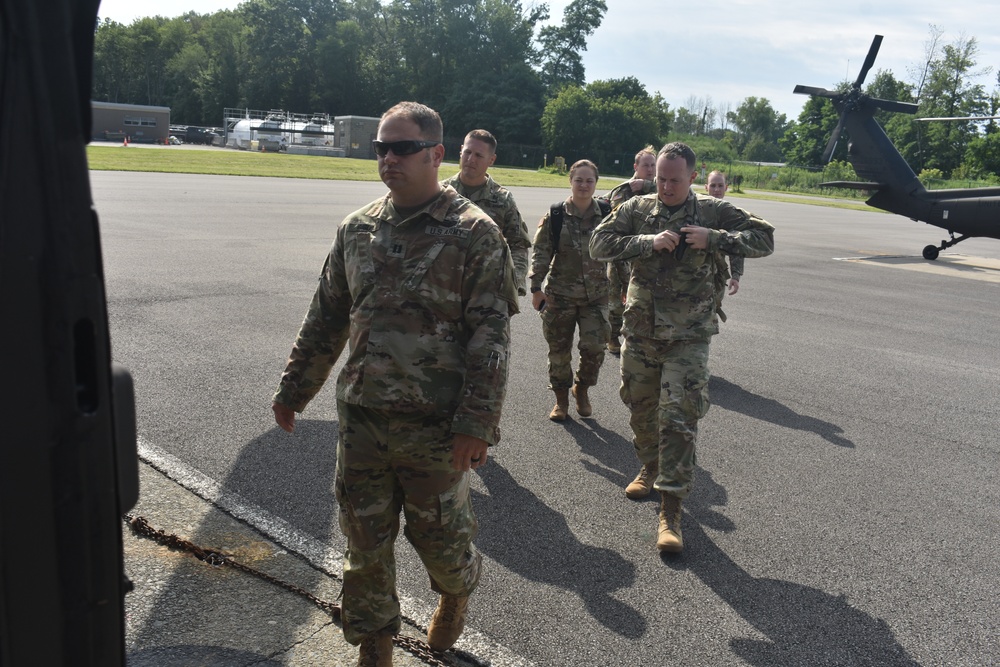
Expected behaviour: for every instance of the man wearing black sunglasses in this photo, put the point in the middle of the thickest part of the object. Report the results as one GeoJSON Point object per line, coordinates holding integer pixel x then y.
{"type": "Point", "coordinates": [479, 152]}
{"type": "Point", "coordinates": [420, 285]}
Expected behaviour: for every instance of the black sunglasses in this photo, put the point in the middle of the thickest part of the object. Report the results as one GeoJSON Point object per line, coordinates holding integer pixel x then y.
{"type": "Point", "coordinates": [406, 147]}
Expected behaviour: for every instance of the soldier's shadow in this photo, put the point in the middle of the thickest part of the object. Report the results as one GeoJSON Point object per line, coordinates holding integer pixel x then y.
{"type": "Point", "coordinates": [541, 536]}
{"type": "Point", "coordinates": [730, 396]}
{"type": "Point", "coordinates": [802, 625]}
{"type": "Point", "coordinates": [614, 455]}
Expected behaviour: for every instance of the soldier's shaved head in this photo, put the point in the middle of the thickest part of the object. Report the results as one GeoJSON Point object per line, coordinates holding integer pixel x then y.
{"type": "Point", "coordinates": [425, 118]}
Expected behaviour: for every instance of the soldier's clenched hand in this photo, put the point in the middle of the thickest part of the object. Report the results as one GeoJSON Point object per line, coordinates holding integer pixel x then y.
{"type": "Point", "coordinates": [468, 452]}
{"type": "Point", "coordinates": [666, 240]}
{"type": "Point", "coordinates": [697, 237]}
{"type": "Point", "coordinates": [284, 416]}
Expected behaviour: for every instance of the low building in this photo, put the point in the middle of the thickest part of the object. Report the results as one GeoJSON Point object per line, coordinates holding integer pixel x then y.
{"type": "Point", "coordinates": [141, 123]}
{"type": "Point", "coordinates": [355, 135]}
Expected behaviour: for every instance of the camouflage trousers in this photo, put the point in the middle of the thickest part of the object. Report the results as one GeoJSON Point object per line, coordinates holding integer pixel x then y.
{"type": "Point", "coordinates": [616, 309]}
{"type": "Point", "coordinates": [559, 323]}
{"type": "Point", "coordinates": [665, 386]}
{"type": "Point", "coordinates": [387, 462]}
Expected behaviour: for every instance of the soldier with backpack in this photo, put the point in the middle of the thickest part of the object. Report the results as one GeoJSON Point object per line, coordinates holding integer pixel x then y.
{"type": "Point", "coordinates": [641, 183]}
{"type": "Point", "coordinates": [575, 290]}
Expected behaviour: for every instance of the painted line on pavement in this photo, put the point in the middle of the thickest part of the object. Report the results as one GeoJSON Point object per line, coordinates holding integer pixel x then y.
{"type": "Point", "coordinates": [318, 554]}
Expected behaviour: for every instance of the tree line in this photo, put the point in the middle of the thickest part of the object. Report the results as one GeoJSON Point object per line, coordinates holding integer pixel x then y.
{"type": "Point", "coordinates": [501, 65]}
{"type": "Point", "coordinates": [480, 63]}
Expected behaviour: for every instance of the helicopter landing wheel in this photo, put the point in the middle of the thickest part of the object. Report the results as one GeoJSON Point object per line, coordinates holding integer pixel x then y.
{"type": "Point", "coordinates": [931, 252]}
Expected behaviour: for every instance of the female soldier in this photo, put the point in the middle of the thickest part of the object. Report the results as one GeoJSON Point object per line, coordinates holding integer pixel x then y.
{"type": "Point", "coordinates": [576, 293]}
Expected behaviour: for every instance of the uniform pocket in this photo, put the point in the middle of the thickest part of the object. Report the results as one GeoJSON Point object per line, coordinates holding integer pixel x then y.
{"type": "Point", "coordinates": [361, 271]}
{"type": "Point", "coordinates": [696, 401]}
{"type": "Point", "coordinates": [437, 280]}
{"type": "Point", "coordinates": [454, 504]}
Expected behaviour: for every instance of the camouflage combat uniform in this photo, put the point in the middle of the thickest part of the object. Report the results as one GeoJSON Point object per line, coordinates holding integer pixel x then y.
{"type": "Point", "coordinates": [576, 293]}
{"type": "Point", "coordinates": [618, 271]}
{"type": "Point", "coordinates": [498, 203]}
{"type": "Point", "coordinates": [423, 304]}
{"type": "Point", "coordinates": [734, 270]}
{"type": "Point", "coordinates": [670, 317]}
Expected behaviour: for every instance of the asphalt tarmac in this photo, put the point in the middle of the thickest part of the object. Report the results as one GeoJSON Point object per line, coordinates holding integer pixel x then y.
{"type": "Point", "coordinates": [845, 501]}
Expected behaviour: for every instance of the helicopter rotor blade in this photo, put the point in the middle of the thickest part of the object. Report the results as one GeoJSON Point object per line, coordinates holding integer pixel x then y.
{"type": "Point", "coordinates": [818, 92]}
{"type": "Point", "coordinates": [894, 105]}
{"type": "Point", "coordinates": [957, 118]}
{"type": "Point", "coordinates": [832, 144]}
{"type": "Point", "coordinates": [869, 60]}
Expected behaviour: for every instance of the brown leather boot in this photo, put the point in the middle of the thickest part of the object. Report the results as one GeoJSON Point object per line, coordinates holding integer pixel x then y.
{"type": "Point", "coordinates": [448, 622]}
{"type": "Point", "coordinates": [376, 650]}
{"type": "Point", "coordinates": [669, 534]}
{"type": "Point", "coordinates": [582, 400]}
{"type": "Point", "coordinates": [561, 409]}
{"type": "Point", "coordinates": [643, 482]}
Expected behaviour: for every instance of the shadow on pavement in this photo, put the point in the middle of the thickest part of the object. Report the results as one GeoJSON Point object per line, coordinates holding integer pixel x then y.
{"type": "Point", "coordinates": [540, 547]}
{"type": "Point", "coordinates": [732, 397]}
{"type": "Point", "coordinates": [615, 455]}
{"type": "Point", "coordinates": [803, 625]}
{"type": "Point", "coordinates": [187, 612]}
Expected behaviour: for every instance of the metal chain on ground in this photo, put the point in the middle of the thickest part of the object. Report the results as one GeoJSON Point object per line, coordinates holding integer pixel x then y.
{"type": "Point", "coordinates": [216, 558]}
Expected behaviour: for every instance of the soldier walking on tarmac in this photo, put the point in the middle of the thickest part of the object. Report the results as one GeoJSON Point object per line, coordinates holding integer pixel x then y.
{"type": "Point", "coordinates": [641, 183]}
{"type": "Point", "coordinates": [671, 239]}
{"type": "Point", "coordinates": [717, 187]}
{"type": "Point", "coordinates": [575, 291]}
{"type": "Point", "coordinates": [419, 286]}
{"type": "Point", "coordinates": [479, 152]}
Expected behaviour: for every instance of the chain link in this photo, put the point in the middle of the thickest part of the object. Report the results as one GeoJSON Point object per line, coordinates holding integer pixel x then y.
{"type": "Point", "coordinates": [216, 558]}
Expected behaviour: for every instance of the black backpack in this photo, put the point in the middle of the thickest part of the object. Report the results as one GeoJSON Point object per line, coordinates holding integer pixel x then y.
{"type": "Point", "coordinates": [556, 219]}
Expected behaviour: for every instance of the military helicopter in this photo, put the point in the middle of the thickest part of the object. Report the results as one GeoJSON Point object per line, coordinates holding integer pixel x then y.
{"type": "Point", "coordinates": [971, 212]}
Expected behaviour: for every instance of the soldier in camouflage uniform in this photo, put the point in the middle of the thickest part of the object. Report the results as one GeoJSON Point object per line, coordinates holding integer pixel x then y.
{"type": "Point", "coordinates": [641, 183]}
{"type": "Point", "coordinates": [672, 239]}
{"type": "Point", "coordinates": [576, 292]}
{"type": "Point", "coordinates": [479, 152]}
{"type": "Point", "coordinates": [716, 186]}
{"type": "Point", "coordinates": [418, 286]}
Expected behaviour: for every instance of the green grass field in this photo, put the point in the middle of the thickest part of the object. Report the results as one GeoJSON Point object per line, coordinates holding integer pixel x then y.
{"type": "Point", "coordinates": [223, 161]}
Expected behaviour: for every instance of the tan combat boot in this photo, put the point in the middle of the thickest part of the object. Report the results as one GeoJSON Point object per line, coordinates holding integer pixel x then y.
{"type": "Point", "coordinates": [448, 621]}
{"type": "Point", "coordinates": [582, 400]}
{"type": "Point", "coordinates": [376, 650]}
{"type": "Point", "coordinates": [643, 482]}
{"type": "Point", "coordinates": [614, 345]}
{"type": "Point", "coordinates": [669, 533]}
{"type": "Point", "coordinates": [561, 409]}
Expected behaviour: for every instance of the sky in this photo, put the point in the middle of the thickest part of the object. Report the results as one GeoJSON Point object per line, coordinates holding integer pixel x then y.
{"type": "Point", "coordinates": [729, 51]}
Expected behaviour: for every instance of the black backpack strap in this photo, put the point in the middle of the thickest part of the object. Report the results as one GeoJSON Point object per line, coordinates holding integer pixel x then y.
{"type": "Point", "coordinates": [556, 224]}
{"type": "Point", "coordinates": [605, 206]}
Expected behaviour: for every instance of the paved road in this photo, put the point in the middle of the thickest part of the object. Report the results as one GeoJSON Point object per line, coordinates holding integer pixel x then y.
{"type": "Point", "coordinates": [847, 494]}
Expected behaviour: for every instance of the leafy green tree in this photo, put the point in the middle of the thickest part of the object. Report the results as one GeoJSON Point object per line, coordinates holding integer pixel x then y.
{"type": "Point", "coordinates": [111, 60]}
{"type": "Point", "coordinates": [615, 116]}
{"type": "Point", "coordinates": [220, 81]}
{"type": "Point", "coordinates": [685, 122]}
{"type": "Point", "coordinates": [756, 121]}
{"type": "Point", "coordinates": [503, 93]}
{"type": "Point", "coordinates": [281, 40]}
{"type": "Point", "coordinates": [982, 156]}
{"type": "Point", "coordinates": [147, 62]}
{"type": "Point", "coordinates": [566, 120]}
{"type": "Point", "coordinates": [950, 92]}
{"type": "Point", "coordinates": [561, 45]}
{"type": "Point", "coordinates": [804, 141]}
